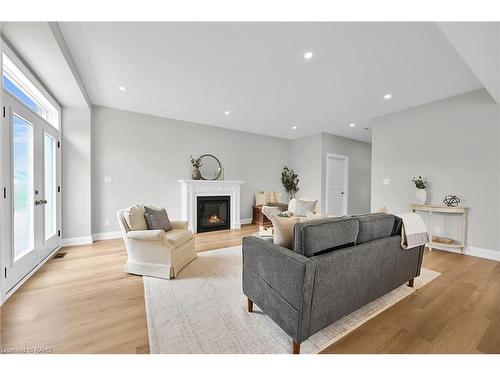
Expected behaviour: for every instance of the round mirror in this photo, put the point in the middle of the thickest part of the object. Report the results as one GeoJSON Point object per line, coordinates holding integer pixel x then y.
{"type": "Point", "coordinates": [210, 167]}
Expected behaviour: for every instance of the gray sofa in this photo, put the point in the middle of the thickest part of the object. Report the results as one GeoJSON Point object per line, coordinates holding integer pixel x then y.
{"type": "Point", "coordinates": [337, 266]}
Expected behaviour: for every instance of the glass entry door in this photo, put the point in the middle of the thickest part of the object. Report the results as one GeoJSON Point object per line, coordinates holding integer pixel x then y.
{"type": "Point", "coordinates": [31, 160]}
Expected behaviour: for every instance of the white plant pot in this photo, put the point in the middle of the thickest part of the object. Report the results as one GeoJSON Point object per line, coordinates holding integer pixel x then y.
{"type": "Point", "coordinates": [421, 196]}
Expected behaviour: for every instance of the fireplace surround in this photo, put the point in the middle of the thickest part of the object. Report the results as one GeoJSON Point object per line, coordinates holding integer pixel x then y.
{"type": "Point", "coordinates": [192, 189]}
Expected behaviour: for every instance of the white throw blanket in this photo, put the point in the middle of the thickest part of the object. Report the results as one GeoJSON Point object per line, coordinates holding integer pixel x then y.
{"type": "Point", "coordinates": [413, 231]}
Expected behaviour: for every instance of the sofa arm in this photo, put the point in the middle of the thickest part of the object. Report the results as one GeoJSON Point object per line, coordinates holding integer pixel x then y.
{"type": "Point", "coordinates": [280, 282]}
{"type": "Point", "coordinates": [146, 235]}
{"type": "Point", "coordinates": [179, 224]}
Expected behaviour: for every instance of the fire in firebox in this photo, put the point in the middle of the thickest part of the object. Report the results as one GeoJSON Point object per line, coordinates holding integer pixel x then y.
{"type": "Point", "coordinates": [214, 219]}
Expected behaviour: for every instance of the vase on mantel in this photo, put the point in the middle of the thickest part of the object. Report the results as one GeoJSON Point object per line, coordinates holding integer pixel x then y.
{"type": "Point", "coordinates": [196, 175]}
{"type": "Point", "coordinates": [421, 195]}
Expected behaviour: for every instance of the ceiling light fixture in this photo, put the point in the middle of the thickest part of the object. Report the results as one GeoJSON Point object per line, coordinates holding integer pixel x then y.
{"type": "Point", "coordinates": [294, 127]}
{"type": "Point", "coordinates": [308, 55]}
{"type": "Point", "coordinates": [387, 96]}
{"type": "Point", "coordinates": [352, 125]}
{"type": "Point", "coordinates": [227, 113]}
{"type": "Point", "coordinates": [121, 88]}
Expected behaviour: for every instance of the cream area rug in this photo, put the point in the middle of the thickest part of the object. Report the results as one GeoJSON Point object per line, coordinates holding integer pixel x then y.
{"type": "Point", "coordinates": [204, 310]}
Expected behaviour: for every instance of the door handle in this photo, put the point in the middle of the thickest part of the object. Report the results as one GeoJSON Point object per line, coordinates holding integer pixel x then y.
{"type": "Point", "coordinates": [342, 193]}
{"type": "Point", "coordinates": [40, 202]}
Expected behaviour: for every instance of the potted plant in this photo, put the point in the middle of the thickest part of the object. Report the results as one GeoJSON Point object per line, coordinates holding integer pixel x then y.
{"type": "Point", "coordinates": [420, 184]}
{"type": "Point", "coordinates": [196, 163]}
{"type": "Point", "coordinates": [290, 181]}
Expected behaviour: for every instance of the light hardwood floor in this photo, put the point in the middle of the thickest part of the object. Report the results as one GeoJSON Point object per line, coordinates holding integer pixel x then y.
{"type": "Point", "coordinates": [85, 303]}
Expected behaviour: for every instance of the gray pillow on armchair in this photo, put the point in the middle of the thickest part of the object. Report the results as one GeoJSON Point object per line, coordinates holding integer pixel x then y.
{"type": "Point", "coordinates": [157, 218]}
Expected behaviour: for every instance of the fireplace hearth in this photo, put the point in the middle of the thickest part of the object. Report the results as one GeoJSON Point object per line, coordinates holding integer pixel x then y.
{"type": "Point", "coordinates": [213, 213]}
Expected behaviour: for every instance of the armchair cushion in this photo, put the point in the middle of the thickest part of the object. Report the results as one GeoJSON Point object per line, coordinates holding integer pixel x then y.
{"type": "Point", "coordinates": [146, 235]}
{"type": "Point", "coordinates": [134, 217]}
{"type": "Point", "coordinates": [157, 218]}
{"type": "Point", "coordinates": [178, 237]}
{"type": "Point", "coordinates": [179, 224]}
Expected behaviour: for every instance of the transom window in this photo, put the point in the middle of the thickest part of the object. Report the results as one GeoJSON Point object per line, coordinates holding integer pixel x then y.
{"type": "Point", "coordinates": [16, 83]}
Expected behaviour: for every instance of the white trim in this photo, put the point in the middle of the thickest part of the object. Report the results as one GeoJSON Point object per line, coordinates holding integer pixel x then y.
{"type": "Point", "coordinates": [6, 296]}
{"type": "Point", "coordinates": [472, 251]}
{"type": "Point", "coordinates": [46, 97]}
{"type": "Point", "coordinates": [345, 158]}
{"type": "Point", "coordinates": [246, 221]}
{"type": "Point", "coordinates": [76, 241]}
{"type": "Point", "coordinates": [106, 235]}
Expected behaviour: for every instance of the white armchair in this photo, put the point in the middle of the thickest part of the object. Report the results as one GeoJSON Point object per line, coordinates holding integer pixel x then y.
{"type": "Point", "coordinates": [155, 252]}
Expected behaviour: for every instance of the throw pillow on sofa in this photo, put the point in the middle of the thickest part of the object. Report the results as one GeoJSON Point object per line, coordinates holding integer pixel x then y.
{"type": "Point", "coordinates": [134, 216]}
{"type": "Point", "coordinates": [282, 225]}
{"type": "Point", "coordinates": [303, 207]}
{"type": "Point", "coordinates": [157, 218]}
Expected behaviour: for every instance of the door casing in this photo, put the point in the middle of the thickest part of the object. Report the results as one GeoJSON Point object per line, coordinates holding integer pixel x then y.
{"type": "Point", "coordinates": [345, 159]}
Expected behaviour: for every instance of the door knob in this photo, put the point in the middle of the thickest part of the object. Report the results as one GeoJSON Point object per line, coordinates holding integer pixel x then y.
{"type": "Point", "coordinates": [342, 193]}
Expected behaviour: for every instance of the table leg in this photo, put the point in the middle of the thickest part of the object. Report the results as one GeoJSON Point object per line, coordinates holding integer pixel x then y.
{"type": "Point", "coordinates": [430, 229]}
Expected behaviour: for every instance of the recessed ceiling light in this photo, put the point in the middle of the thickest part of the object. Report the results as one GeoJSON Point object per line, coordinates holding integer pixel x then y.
{"type": "Point", "coordinates": [352, 125]}
{"type": "Point", "coordinates": [294, 127]}
{"type": "Point", "coordinates": [121, 88]}
{"type": "Point", "coordinates": [387, 96]}
{"type": "Point", "coordinates": [227, 112]}
{"type": "Point", "coordinates": [308, 55]}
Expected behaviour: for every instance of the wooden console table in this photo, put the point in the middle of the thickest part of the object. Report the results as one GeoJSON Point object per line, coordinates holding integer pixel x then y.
{"type": "Point", "coordinates": [459, 210]}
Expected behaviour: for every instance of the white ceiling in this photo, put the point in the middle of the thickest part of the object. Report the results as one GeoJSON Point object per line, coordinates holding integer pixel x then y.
{"type": "Point", "coordinates": [479, 45]}
{"type": "Point", "coordinates": [196, 71]}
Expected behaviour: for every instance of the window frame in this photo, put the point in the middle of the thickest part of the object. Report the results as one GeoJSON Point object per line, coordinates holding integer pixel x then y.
{"type": "Point", "coordinates": [33, 88]}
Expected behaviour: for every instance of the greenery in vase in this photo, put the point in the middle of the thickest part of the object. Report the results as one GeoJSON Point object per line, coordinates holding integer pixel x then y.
{"type": "Point", "coordinates": [196, 163]}
{"type": "Point", "coordinates": [290, 181]}
{"type": "Point", "coordinates": [419, 182]}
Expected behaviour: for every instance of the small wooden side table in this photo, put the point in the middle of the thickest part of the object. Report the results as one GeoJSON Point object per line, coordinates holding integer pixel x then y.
{"type": "Point", "coordinates": [459, 210]}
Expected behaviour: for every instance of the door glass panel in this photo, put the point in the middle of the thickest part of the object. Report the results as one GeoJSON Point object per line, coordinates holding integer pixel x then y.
{"type": "Point", "coordinates": [22, 156]}
{"type": "Point", "coordinates": [50, 185]}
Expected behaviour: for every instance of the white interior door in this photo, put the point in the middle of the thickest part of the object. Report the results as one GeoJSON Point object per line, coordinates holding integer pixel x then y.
{"type": "Point", "coordinates": [31, 164]}
{"type": "Point", "coordinates": [336, 184]}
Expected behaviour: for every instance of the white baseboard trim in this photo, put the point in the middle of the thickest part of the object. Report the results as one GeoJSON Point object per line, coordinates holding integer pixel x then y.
{"type": "Point", "coordinates": [106, 235]}
{"type": "Point", "coordinates": [6, 296]}
{"type": "Point", "coordinates": [76, 241]}
{"type": "Point", "coordinates": [472, 251]}
{"type": "Point", "coordinates": [246, 221]}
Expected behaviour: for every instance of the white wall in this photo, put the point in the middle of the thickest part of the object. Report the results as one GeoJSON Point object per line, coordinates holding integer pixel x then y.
{"type": "Point", "coordinates": [359, 154]}
{"type": "Point", "coordinates": [305, 160]}
{"type": "Point", "coordinates": [76, 173]}
{"type": "Point", "coordinates": [308, 159]}
{"type": "Point", "coordinates": [455, 144]}
{"type": "Point", "coordinates": [146, 155]}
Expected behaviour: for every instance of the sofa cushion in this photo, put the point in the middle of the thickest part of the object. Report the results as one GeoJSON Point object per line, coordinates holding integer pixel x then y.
{"type": "Point", "coordinates": [157, 218]}
{"type": "Point", "coordinates": [178, 237]}
{"type": "Point", "coordinates": [319, 236]}
{"type": "Point", "coordinates": [134, 216]}
{"type": "Point", "coordinates": [375, 226]}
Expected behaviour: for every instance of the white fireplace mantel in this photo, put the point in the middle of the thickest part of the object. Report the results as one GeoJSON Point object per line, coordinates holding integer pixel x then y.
{"type": "Point", "coordinates": [191, 189]}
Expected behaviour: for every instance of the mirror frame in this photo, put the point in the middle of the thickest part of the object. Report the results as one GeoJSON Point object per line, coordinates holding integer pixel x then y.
{"type": "Point", "coordinates": [220, 167]}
